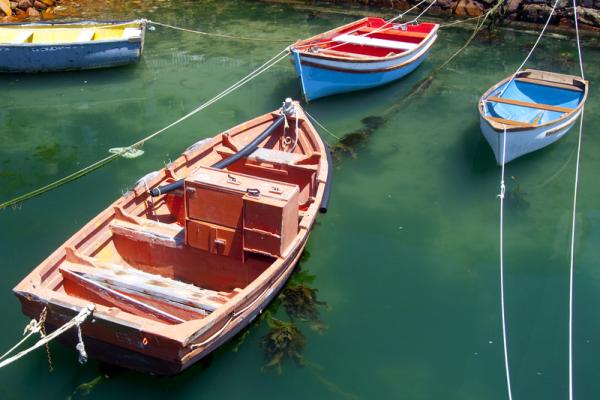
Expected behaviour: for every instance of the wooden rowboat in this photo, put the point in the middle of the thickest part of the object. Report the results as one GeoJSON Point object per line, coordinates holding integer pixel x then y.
{"type": "Point", "coordinates": [63, 46]}
{"type": "Point", "coordinates": [175, 275]}
{"type": "Point", "coordinates": [360, 55]}
{"type": "Point", "coordinates": [536, 108]}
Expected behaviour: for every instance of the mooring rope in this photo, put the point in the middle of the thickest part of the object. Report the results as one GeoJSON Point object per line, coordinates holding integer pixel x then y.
{"type": "Point", "coordinates": [98, 164]}
{"type": "Point", "coordinates": [321, 126]}
{"type": "Point", "coordinates": [573, 221]}
{"type": "Point", "coordinates": [504, 334]}
{"type": "Point", "coordinates": [220, 35]}
{"type": "Point", "coordinates": [537, 41]}
{"type": "Point", "coordinates": [83, 314]}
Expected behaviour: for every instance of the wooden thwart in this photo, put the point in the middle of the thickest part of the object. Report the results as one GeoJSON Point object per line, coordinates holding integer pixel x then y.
{"type": "Point", "coordinates": [510, 122]}
{"type": "Point", "coordinates": [142, 284]}
{"type": "Point", "coordinates": [395, 32]}
{"type": "Point", "coordinates": [537, 106]}
{"type": "Point", "coordinates": [549, 83]}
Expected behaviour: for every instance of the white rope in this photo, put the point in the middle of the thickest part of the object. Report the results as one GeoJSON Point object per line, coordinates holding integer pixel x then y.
{"type": "Point", "coordinates": [415, 19]}
{"type": "Point", "coordinates": [76, 321]}
{"type": "Point", "coordinates": [33, 327]}
{"type": "Point", "coordinates": [504, 335]}
{"type": "Point", "coordinates": [221, 35]}
{"type": "Point", "coordinates": [573, 222]}
{"type": "Point", "coordinates": [321, 125]}
{"type": "Point", "coordinates": [381, 28]}
{"type": "Point", "coordinates": [530, 51]}
{"type": "Point", "coordinates": [258, 71]}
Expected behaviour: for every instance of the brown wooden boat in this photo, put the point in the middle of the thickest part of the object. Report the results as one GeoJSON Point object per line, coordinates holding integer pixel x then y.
{"type": "Point", "coordinates": [194, 252]}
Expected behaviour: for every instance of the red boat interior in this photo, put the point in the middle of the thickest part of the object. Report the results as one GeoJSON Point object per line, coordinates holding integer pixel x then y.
{"type": "Point", "coordinates": [355, 40]}
{"type": "Point", "coordinates": [183, 254]}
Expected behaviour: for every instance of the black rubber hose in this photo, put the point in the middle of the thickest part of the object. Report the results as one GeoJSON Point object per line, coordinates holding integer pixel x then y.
{"type": "Point", "coordinates": [327, 192]}
{"type": "Point", "coordinates": [245, 151]}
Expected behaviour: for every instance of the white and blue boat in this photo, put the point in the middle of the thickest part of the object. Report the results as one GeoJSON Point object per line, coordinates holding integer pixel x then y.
{"type": "Point", "coordinates": [363, 54]}
{"type": "Point", "coordinates": [534, 108]}
{"type": "Point", "coordinates": [64, 46]}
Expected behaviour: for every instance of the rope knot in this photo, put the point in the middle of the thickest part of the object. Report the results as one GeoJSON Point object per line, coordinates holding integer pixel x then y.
{"type": "Point", "coordinates": [502, 190]}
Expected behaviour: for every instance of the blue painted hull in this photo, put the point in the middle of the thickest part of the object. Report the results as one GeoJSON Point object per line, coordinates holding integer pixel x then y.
{"type": "Point", "coordinates": [320, 82]}
{"type": "Point", "coordinates": [44, 58]}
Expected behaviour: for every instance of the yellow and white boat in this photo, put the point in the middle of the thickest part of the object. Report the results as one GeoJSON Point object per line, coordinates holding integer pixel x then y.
{"type": "Point", "coordinates": [64, 46]}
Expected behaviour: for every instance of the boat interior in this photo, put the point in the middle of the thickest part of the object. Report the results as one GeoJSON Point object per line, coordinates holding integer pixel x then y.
{"type": "Point", "coordinates": [68, 33]}
{"type": "Point", "coordinates": [371, 37]}
{"type": "Point", "coordinates": [183, 254]}
{"type": "Point", "coordinates": [533, 101]}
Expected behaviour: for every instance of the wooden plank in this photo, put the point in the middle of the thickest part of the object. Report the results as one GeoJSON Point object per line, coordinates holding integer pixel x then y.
{"type": "Point", "coordinates": [549, 83]}
{"type": "Point", "coordinates": [120, 300]}
{"type": "Point", "coordinates": [510, 122]}
{"type": "Point", "coordinates": [151, 285]}
{"type": "Point", "coordinates": [169, 235]}
{"type": "Point", "coordinates": [341, 53]}
{"type": "Point", "coordinates": [395, 32]}
{"type": "Point", "coordinates": [529, 105]}
{"type": "Point", "coordinates": [373, 42]}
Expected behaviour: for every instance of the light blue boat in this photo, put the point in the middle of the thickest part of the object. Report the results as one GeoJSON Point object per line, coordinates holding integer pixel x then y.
{"type": "Point", "coordinates": [45, 47]}
{"type": "Point", "coordinates": [360, 55]}
{"type": "Point", "coordinates": [534, 108]}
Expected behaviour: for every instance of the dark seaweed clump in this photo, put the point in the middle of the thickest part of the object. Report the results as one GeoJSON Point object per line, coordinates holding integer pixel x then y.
{"type": "Point", "coordinates": [351, 141]}
{"type": "Point", "coordinates": [283, 341]}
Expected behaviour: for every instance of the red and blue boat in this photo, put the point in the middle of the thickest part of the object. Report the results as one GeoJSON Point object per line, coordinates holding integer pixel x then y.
{"type": "Point", "coordinates": [361, 55]}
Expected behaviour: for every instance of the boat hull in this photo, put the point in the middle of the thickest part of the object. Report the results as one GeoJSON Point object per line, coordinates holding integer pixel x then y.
{"type": "Point", "coordinates": [120, 349]}
{"type": "Point", "coordinates": [68, 54]}
{"type": "Point", "coordinates": [534, 108]}
{"type": "Point", "coordinates": [68, 57]}
{"type": "Point", "coordinates": [168, 301]}
{"type": "Point", "coordinates": [520, 143]}
{"type": "Point", "coordinates": [320, 82]}
{"type": "Point", "coordinates": [322, 76]}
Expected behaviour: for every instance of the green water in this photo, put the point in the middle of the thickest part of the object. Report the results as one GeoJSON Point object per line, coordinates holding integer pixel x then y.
{"type": "Point", "coordinates": [407, 257]}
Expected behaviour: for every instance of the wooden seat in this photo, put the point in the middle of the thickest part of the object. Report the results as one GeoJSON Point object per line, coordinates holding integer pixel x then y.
{"type": "Point", "coordinates": [132, 289]}
{"type": "Point", "coordinates": [23, 37]}
{"type": "Point", "coordinates": [550, 83]}
{"type": "Point", "coordinates": [395, 32]}
{"type": "Point", "coordinates": [537, 106]}
{"type": "Point", "coordinates": [146, 230]}
{"type": "Point", "coordinates": [341, 53]}
{"type": "Point", "coordinates": [368, 41]}
{"type": "Point", "coordinates": [132, 33]}
{"type": "Point", "coordinates": [86, 35]}
{"type": "Point", "coordinates": [510, 122]}
{"type": "Point", "coordinates": [273, 156]}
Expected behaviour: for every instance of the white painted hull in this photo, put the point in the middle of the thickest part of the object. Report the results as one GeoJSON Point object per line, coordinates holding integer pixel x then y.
{"type": "Point", "coordinates": [522, 142]}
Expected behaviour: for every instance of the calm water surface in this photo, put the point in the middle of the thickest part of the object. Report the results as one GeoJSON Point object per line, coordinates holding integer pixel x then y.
{"type": "Point", "coordinates": [407, 257]}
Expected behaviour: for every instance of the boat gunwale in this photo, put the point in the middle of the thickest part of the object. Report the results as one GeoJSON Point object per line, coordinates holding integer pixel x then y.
{"type": "Point", "coordinates": [526, 127]}
{"type": "Point", "coordinates": [102, 25]}
{"type": "Point", "coordinates": [368, 59]}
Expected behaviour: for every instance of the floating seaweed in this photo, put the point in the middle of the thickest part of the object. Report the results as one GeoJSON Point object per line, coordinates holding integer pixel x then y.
{"type": "Point", "coordinates": [85, 388]}
{"type": "Point", "coordinates": [283, 341]}
{"type": "Point", "coordinates": [350, 141]}
{"type": "Point", "coordinates": [300, 300]}
{"type": "Point", "coordinates": [516, 197]}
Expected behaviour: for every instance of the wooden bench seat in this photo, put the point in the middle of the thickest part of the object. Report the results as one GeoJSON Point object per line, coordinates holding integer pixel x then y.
{"type": "Point", "coordinates": [395, 32]}
{"type": "Point", "coordinates": [537, 106]}
{"type": "Point", "coordinates": [510, 122]}
{"type": "Point", "coordinates": [373, 42]}
{"type": "Point", "coordinates": [147, 230]}
{"type": "Point", "coordinates": [550, 83]}
{"type": "Point", "coordinates": [23, 37]}
{"type": "Point", "coordinates": [138, 291]}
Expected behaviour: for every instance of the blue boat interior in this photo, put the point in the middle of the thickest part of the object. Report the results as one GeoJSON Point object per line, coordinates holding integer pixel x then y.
{"type": "Point", "coordinates": [534, 94]}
